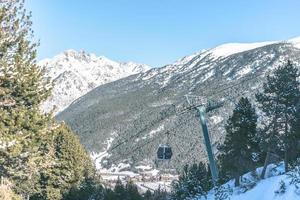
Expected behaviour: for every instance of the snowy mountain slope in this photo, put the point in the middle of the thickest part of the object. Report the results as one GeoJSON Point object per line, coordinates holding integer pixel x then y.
{"type": "Point", "coordinates": [233, 48]}
{"type": "Point", "coordinates": [76, 73]}
{"type": "Point", "coordinates": [266, 189]}
{"type": "Point", "coordinates": [139, 109]}
{"type": "Point", "coordinates": [295, 42]}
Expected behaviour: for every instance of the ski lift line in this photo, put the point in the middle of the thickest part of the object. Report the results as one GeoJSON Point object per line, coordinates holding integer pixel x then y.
{"type": "Point", "coordinates": [143, 130]}
{"type": "Point", "coordinates": [132, 151]}
{"type": "Point", "coordinates": [232, 86]}
{"type": "Point", "coordinates": [251, 77]}
{"type": "Point", "coordinates": [153, 122]}
{"type": "Point", "coordinates": [180, 153]}
{"type": "Point", "coordinates": [182, 137]}
{"type": "Point", "coordinates": [209, 96]}
{"type": "Point", "coordinates": [123, 143]}
{"type": "Point", "coordinates": [178, 148]}
{"type": "Point", "coordinates": [190, 149]}
{"type": "Point", "coordinates": [146, 143]}
{"type": "Point", "coordinates": [139, 147]}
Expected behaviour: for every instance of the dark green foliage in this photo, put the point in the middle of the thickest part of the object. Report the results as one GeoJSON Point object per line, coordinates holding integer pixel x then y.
{"type": "Point", "coordinates": [147, 195]}
{"type": "Point", "coordinates": [21, 81]}
{"type": "Point", "coordinates": [127, 192]}
{"type": "Point", "coordinates": [90, 189]}
{"type": "Point", "coordinates": [279, 102]}
{"type": "Point", "coordinates": [110, 195]}
{"type": "Point", "coordinates": [43, 159]}
{"type": "Point", "coordinates": [240, 143]}
{"type": "Point", "coordinates": [294, 153]}
{"type": "Point", "coordinates": [119, 190]}
{"type": "Point", "coordinates": [130, 192]}
{"type": "Point", "coordinates": [70, 166]}
{"type": "Point", "coordinates": [160, 194]}
{"type": "Point", "coordinates": [194, 180]}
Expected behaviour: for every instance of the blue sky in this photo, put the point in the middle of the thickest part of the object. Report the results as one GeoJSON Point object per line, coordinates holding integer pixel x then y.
{"type": "Point", "coordinates": [158, 32]}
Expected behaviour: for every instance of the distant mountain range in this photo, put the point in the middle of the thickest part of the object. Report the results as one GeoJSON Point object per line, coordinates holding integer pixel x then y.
{"type": "Point", "coordinates": [76, 73]}
{"type": "Point", "coordinates": [123, 122]}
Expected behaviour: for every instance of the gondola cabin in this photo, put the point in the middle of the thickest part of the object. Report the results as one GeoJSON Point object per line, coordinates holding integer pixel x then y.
{"type": "Point", "coordinates": [164, 152]}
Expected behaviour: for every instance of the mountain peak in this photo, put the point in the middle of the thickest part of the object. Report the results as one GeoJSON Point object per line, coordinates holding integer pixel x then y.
{"type": "Point", "coordinates": [75, 73]}
{"type": "Point", "coordinates": [228, 49]}
{"type": "Point", "coordinates": [81, 55]}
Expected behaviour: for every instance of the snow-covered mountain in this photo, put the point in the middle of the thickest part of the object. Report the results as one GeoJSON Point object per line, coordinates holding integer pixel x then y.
{"type": "Point", "coordinates": [125, 121]}
{"type": "Point", "coordinates": [76, 73]}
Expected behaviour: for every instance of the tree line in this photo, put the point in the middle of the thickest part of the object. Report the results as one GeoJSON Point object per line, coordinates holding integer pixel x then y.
{"type": "Point", "coordinates": [43, 160]}
{"type": "Point", "coordinates": [258, 133]}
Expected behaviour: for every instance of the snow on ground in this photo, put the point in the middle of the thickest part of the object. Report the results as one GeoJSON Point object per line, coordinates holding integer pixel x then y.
{"type": "Point", "coordinates": [153, 132]}
{"type": "Point", "coordinates": [295, 42]}
{"type": "Point", "coordinates": [216, 119]}
{"type": "Point", "coordinates": [144, 176]}
{"type": "Point", "coordinates": [266, 189]}
{"type": "Point", "coordinates": [97, 157]}
{"type": "Point", "coordinates": [233, 48]}
{"type": "Point", "coordinates": [208, 75]}
{"type": "Point", "coordinates": [188, 58]}
{"type": "Point", "coordinates": [244, 71]}
{"type": "Point", "coordinates": [143, 167]}
{"type": "Point", "coordinates": [152, 186]}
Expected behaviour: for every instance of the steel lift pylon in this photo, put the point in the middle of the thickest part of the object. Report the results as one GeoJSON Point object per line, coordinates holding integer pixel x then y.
{"type": "Point", "coordinates": [201, 111]}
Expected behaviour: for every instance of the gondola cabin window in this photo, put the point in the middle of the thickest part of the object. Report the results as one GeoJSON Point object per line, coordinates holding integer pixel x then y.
{"type": "Point", "coordinates": [164, 152]}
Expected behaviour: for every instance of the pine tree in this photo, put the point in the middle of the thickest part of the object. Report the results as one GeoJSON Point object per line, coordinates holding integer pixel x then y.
{"type": "Point", "coordinates": [160, 194]}
{"type": "Point", "coordinates": [43, 158]}
{"type": "Point", "coordinates": [22, 89]}
{"type": "Point", "coordinates": [294, 139]}
{"type": "Point", "coordinates": [119, 190]}
{"type": "Point", "coordinates": [89, 189]}
{"type": "Point", "coordinates": [195, 180]}
{"type": "Point", "coordinates": [132, 192]}
{"type": "Point", "coordinates": [279, 103]}
{"type": "Point", "coordinates": [240, 142]}
{"type": "Point", "coordinates": [65, 165]}
{"type": "Point", "coordinates": [147, 195]}
{"type": "Point", "coordinates": [109, 194]}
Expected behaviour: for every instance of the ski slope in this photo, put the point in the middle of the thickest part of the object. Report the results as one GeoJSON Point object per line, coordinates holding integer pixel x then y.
{"type": "Point", "coordinates": [266, 189]}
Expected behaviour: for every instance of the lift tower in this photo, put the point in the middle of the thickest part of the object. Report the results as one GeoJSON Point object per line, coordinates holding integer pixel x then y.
{"type": "Point", "coordinates": [201, 109]}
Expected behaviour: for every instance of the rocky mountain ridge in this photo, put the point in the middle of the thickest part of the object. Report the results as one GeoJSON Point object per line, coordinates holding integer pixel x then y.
{"type": "Point", "coordinates": [76, 73]}
{"type": "Point", "coordinates": [123, 122]}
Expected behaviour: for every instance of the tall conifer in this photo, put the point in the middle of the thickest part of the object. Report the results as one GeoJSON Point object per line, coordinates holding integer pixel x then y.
{"type": "Point", "coordinates": [240, 142]}
{"type": "Point", "coordinates": [279, 103]}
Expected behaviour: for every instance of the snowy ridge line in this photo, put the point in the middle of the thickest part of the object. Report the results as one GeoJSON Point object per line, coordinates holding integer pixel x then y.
{"type": "Point", "coordinates": [76, 73]}
{"type": "Point", "coordinates": [178, 80]}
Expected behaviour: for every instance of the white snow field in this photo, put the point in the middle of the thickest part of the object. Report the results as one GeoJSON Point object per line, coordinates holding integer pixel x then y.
{"type": "Point", "coordinates": [266, 189]}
